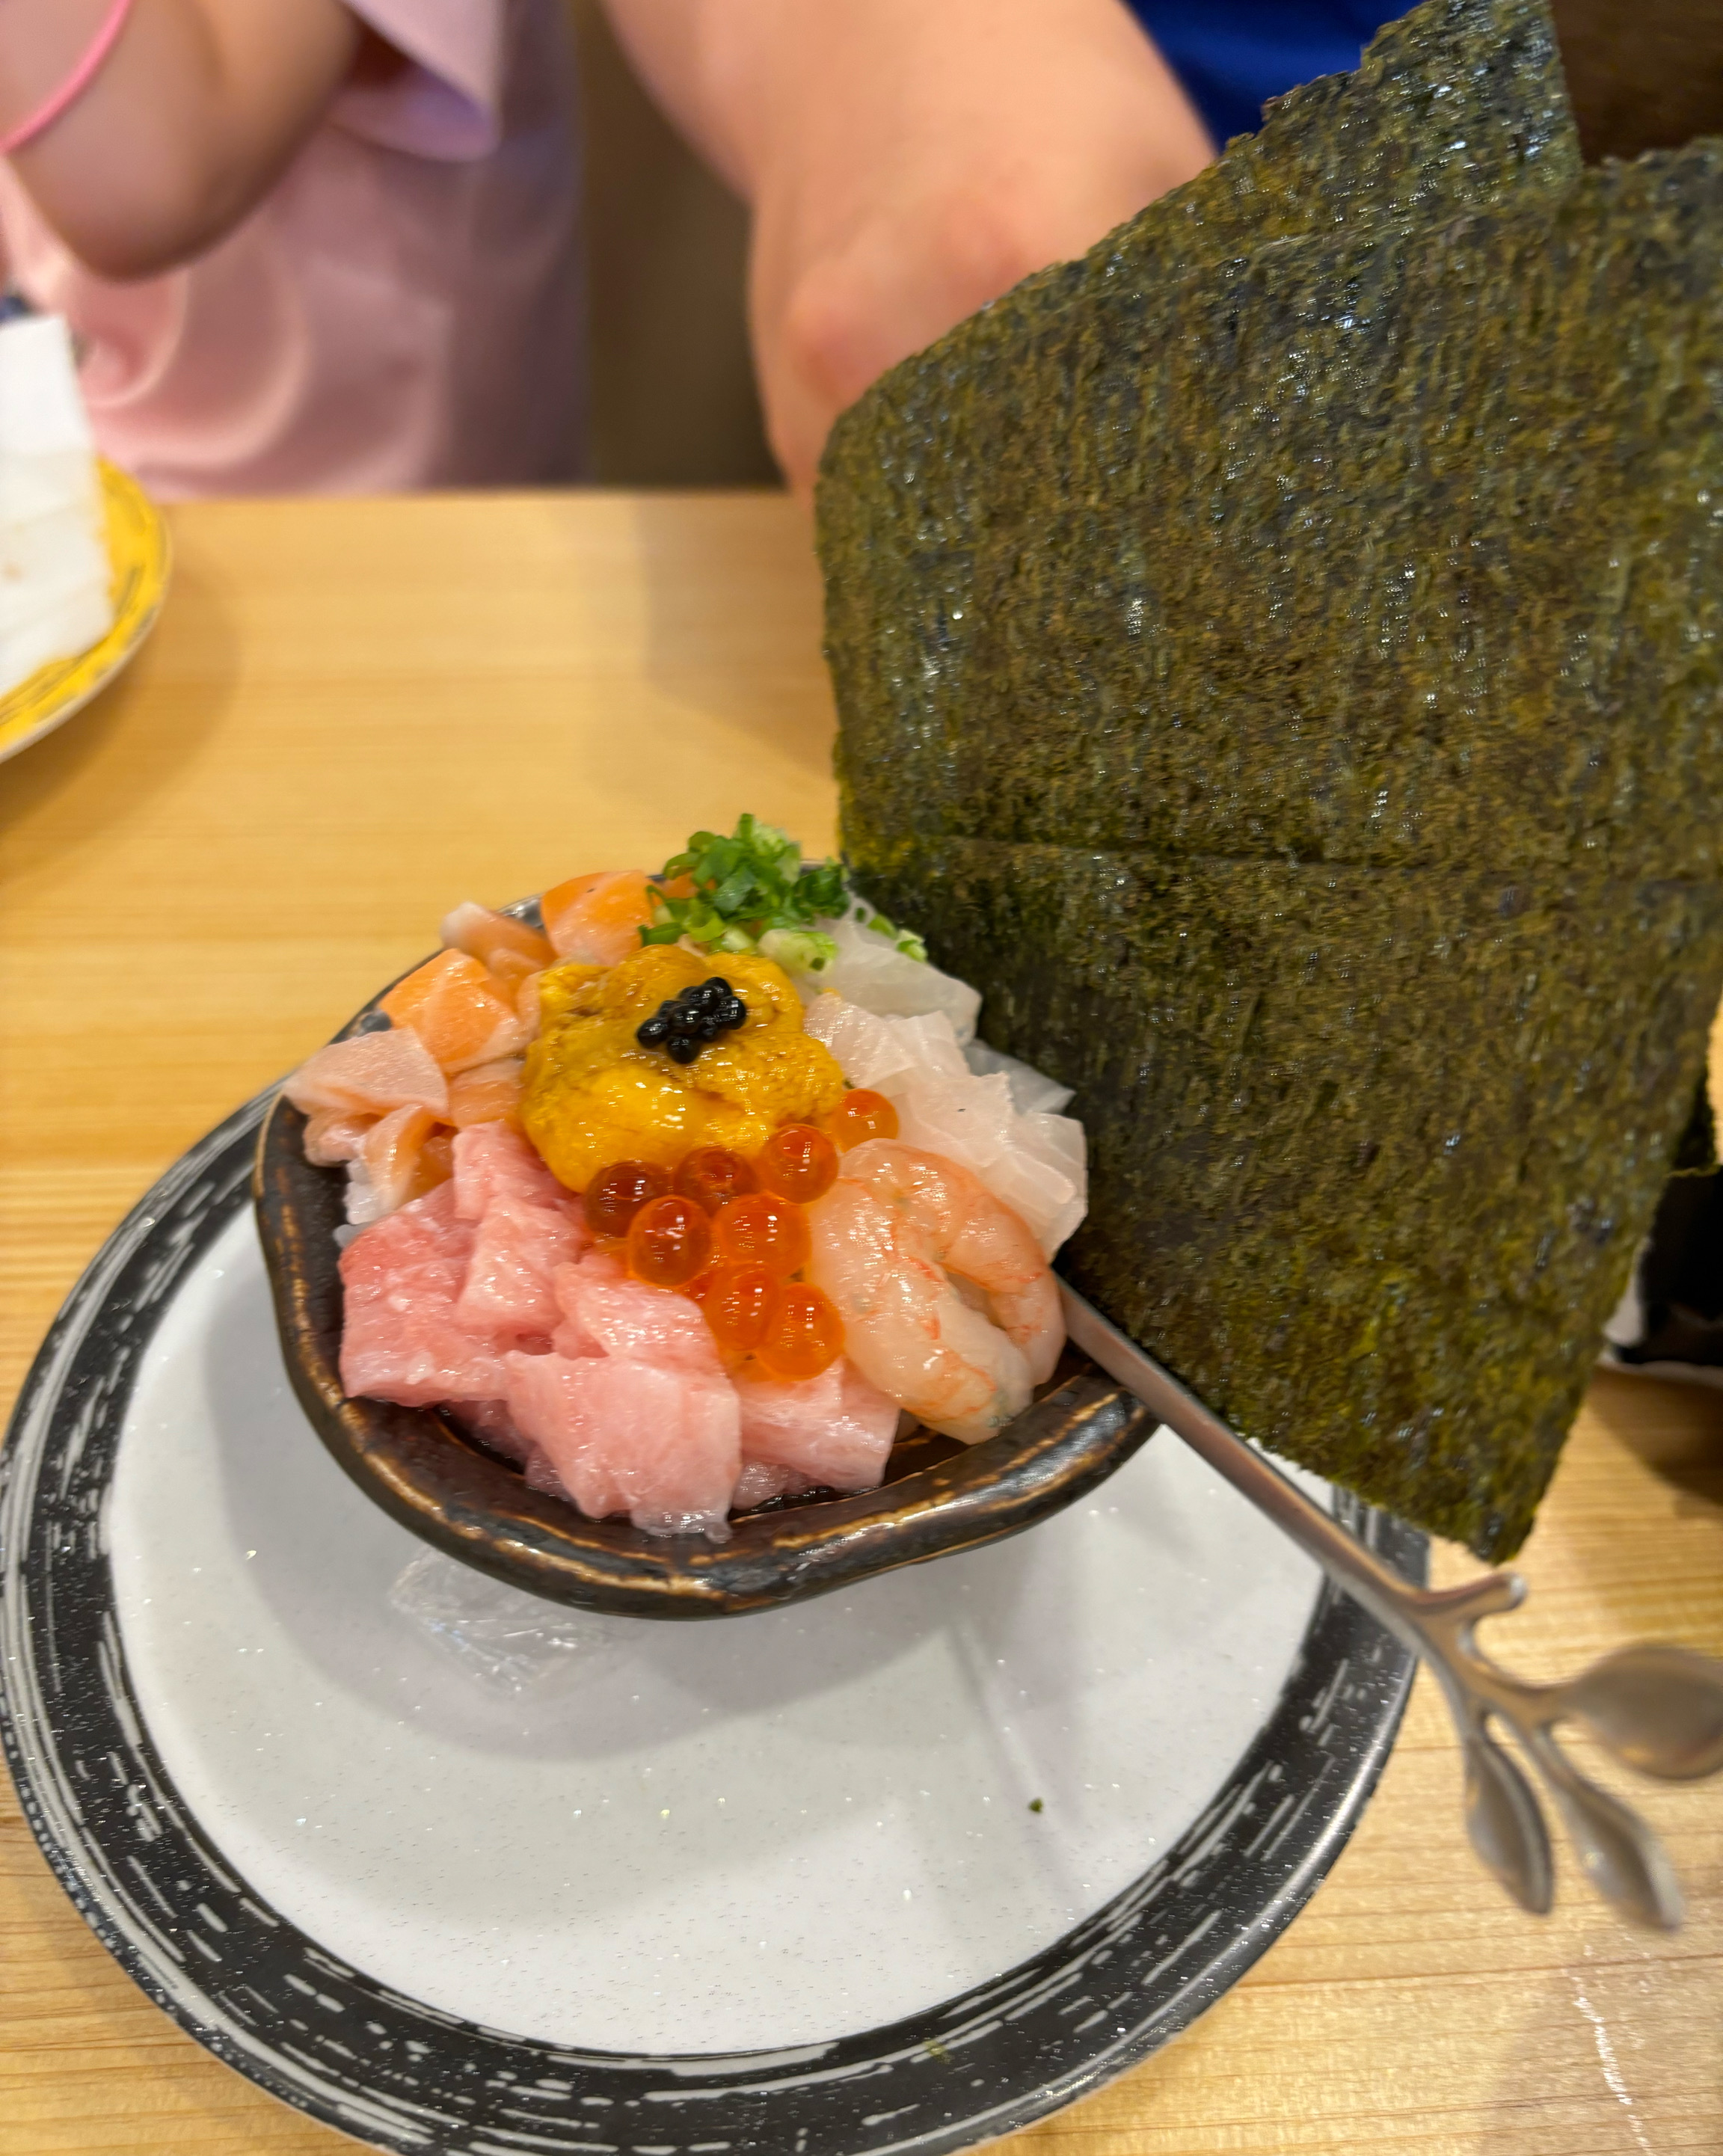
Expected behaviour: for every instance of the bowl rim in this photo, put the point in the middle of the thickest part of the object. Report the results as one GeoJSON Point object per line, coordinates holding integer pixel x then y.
{"type": "Point", "coordinates": [470, 1503]}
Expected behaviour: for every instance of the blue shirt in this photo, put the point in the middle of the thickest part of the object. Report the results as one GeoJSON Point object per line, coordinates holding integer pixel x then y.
{"type": "Point", "coordinates": [1231, 55]}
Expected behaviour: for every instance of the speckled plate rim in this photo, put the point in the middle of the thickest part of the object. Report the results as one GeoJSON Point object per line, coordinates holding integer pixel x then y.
{"type": "Point", "coordinates": [140, 557]}
{"type": "Point", "coordinates": [332, 2042]}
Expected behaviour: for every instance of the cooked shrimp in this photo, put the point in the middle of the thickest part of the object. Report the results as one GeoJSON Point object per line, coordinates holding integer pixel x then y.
{"type": "Point", "coordinates": [892, 1240]}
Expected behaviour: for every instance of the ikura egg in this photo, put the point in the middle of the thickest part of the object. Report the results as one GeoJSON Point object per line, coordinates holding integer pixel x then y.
{"type": "Point", "coordinates": [616, 1194]}
{"type": "Point", "coordinates": [862, 1114]}
{"type": "Point", "coordinates": [763, 1231]}
{"type": "Point", "coordinates": [738, 1303]}
{"type": "Point", "coordinates": [669, 1242]}
{"type": "Point", "coordinates": [798, 1162]}
{"type": "Point", "coordinates": [712, 1175]}
{"type": "Point", "coordinates": [803, 1335]}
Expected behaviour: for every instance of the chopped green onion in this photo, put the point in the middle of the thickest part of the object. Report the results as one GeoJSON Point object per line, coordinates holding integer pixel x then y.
{"type": "Point", "coordinates": [753, 891]}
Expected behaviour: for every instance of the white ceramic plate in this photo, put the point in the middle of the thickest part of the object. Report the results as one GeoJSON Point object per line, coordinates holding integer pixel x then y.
{"type": "Point", "coordinates": [454, 1868]}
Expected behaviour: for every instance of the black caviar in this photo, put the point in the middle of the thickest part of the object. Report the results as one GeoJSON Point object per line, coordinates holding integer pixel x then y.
{"type": "Point", "coordinates": [698, 1015]}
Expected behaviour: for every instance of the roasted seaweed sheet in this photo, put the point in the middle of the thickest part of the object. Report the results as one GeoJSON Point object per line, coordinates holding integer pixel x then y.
{"type": "Point", "coordinates": [1278, 660]}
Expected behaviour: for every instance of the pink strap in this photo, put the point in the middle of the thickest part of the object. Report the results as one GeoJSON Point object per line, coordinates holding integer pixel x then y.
{"type": "Point", "coordinates": [74, 86]}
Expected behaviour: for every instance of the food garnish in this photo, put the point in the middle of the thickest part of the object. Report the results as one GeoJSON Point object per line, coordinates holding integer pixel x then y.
{"type": "Point", "coordinates": [753, 891]}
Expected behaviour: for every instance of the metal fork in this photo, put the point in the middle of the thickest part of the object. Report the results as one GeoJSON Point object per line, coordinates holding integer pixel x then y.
{"type": "Point", "coordinates": [1657, 1709]}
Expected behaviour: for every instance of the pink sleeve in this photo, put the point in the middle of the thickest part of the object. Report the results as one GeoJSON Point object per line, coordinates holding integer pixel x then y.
{"type": "Point", "coordinates": [447, 103]}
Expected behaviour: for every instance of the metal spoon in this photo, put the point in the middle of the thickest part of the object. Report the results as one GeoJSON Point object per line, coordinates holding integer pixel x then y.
{"type": "Point", "coordinates": [1658, 1709]}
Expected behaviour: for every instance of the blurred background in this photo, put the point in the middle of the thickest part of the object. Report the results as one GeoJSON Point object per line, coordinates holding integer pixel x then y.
{"type": "Point", "coordinates": [673, 401]}
{"type": "Point", "coordinates": [672, 386]}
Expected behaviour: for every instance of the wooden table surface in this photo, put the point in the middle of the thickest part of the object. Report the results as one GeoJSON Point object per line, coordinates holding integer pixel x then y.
{"type": "Point", "coordinates": [352, 715]}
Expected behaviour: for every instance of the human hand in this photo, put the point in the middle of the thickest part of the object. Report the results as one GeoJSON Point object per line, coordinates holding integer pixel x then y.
{"type": "Point", "coordinates": [908, 160]}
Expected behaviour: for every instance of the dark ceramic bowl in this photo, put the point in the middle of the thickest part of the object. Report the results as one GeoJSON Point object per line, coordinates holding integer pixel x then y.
{"type": "Point", "coordinates": [435, 1478]}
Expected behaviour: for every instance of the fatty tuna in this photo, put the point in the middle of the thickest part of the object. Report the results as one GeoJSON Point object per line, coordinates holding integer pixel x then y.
{"type": "Point", "coordinates": [402, 1340]}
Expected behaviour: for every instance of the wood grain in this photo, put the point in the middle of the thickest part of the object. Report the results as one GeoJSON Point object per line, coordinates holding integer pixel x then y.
{"type": "Point", "coordinates": [353, 714]}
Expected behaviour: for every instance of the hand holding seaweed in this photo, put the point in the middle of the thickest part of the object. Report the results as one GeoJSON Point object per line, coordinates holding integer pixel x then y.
{"type": "Point", "coordinates": [1287, 642]}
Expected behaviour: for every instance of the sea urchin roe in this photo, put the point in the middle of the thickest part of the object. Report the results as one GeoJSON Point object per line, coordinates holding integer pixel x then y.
{"type": "Point", "coordinates": [859, 1116]}
{"type": "Point", "coordinates": [593, 1095]}
{"type": "Point", "coordinates": [763, 1231]}
{"type": "Point", "coordinates": [798, 1162]}
{"type": "Point", "coordinates": [669, 1242]}
{"type": "Point", "coordinates": [712, 1175]}
{"type": "Point", "coordinates": [616, 1194]}
{"type": "Point", "coordinates": [803, 1336]}
{"type": "Point", "coordinates": [738, 1305]}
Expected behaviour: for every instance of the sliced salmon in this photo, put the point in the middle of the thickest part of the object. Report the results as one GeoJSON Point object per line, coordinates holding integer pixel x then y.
{"type": "Point", "coordinates": [455, 1008]}
{"type": "Point", "coordinates": [400, 1160]}
{"type": "Point", "coordinates": [598, 919]}
{"type": "Point", "coordinates": [527, 1007]}
{"type": "Point", "coordinates": [509, 968]}
{"type": "Point", "coordinates": [488, 1093]}
{"type": "Point", "coordinates": [369, 1074]}
{"type": "Point", "coordinates": [332, 1136]}
{"type": "Point", "coordinates": [488, 936]}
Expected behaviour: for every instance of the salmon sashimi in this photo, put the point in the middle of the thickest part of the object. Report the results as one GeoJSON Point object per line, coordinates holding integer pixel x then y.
{"type": "Point", "coordinates": [401, 1339]}
{"type": "Point", "coordinates": [457, 1010]}
{"type": "Point", "coordinates": [369, 1074]}
{"type": "Point", "coordinates": [332, 1137]}
{"type": "Point", "coordinates": [488, 1093]}
{"type": "Point", "coordinates": [525, 993]}
{"type": "Point", "coordinates": [492, 937]}
{"type": "Point", "coordinates": [398, 1161]}
{"type": "Point", "coordinates": [598, 919]}
{"type": "Point", "coordinates": [508, 969]}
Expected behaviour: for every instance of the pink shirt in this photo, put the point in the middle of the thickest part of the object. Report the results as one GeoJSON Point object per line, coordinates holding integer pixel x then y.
{"type": "Point", "coordinates": [403, 310]}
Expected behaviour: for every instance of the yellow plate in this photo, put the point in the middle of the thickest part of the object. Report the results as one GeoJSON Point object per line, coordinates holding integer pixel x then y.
{"type": "Point", "coordinates": [138, 555]}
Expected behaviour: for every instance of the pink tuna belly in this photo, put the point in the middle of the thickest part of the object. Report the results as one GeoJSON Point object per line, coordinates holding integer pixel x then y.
{"type": "Point", "coordinates": [837, 1429]}
{"type": "Point", "coordinates": [401, 1339]}
{"type": "Point", "coordinates": [663, 1445]}
{"type": "Point", "coordinates": [492, 1164]}
{"type": "Point", "coordinates": [607, 1312]}
{"type": "Point", "coordinates": [517, 1248]}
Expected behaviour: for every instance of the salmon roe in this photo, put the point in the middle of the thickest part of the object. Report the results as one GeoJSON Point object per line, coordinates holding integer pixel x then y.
{"type": "Point", "coordinates": [712, 1175]}
{"type": "Point", "coordinates": [616, 1194]}
{"type": "Point", "coordinates": [762, 1231]}
{"type": "Point", "coordinates": [738, 1305]}
{"type": "Point", "coordinates": [859, 1116]}
{"type": "Point", "coordinates": [803, 1336]}
{"type": "Point", "coordinates": [669, 1242]}
{"type": "Point", "coordinates": [798, 1162]}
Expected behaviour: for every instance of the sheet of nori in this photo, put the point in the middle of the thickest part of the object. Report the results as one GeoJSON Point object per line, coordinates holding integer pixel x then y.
{"type": "Point", "coordinates": [1278, 660]}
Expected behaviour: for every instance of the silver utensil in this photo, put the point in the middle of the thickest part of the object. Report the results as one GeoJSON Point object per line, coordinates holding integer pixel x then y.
{"type": "Point", "coordinates": [1658, 1709]}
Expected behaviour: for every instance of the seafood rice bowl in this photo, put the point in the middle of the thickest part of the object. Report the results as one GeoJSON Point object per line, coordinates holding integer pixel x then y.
{"type": "Point", "coordinates": [695, 1196]}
